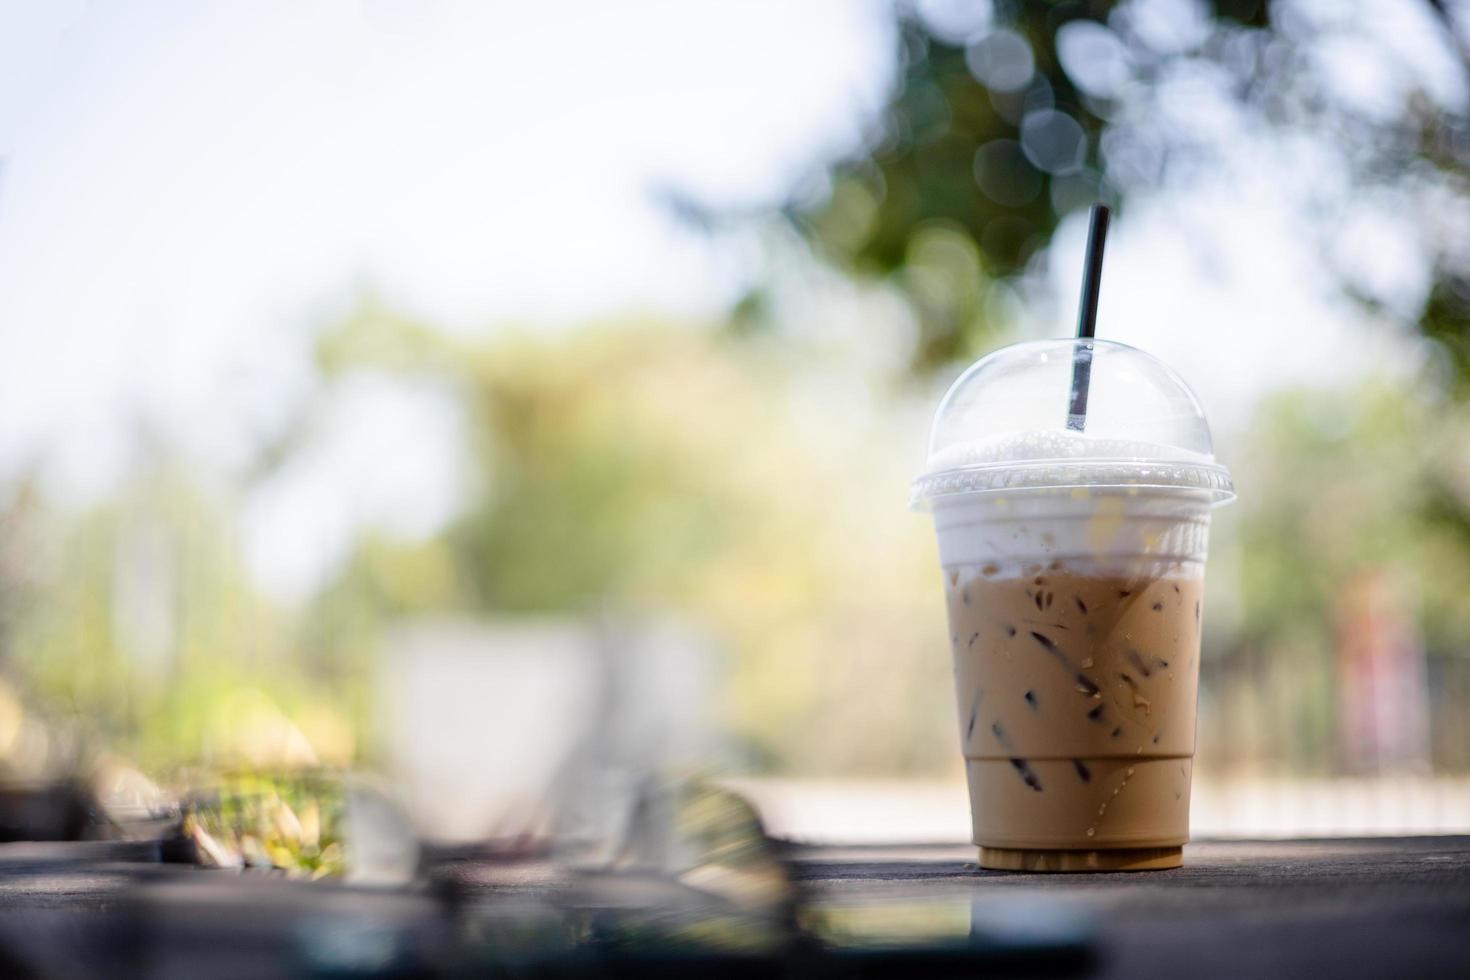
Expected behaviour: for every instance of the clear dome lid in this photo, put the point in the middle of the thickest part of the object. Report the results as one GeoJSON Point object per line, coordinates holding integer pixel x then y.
{"type": "Point", "coordinates": [1052, 414]}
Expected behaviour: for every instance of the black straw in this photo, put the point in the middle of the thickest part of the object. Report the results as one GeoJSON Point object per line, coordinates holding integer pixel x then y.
{"type": "Point", "coordinates": [1097, 233]}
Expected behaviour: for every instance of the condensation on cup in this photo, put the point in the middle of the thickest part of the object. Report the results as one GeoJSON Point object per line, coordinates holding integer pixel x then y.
{"type": "Point", "coordinates": [1073, 560]}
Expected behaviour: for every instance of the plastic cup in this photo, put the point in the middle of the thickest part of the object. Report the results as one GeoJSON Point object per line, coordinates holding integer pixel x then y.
{"type": "Point", "coordinates": [1073, 571]}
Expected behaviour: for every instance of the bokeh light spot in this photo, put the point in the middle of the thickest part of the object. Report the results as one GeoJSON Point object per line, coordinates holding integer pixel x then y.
{"type": "Point", "coordinates": [1053, 141]}
{"type": "Point", "coordinates": [956, 21]}
{"type": "Point", "coordinates": [1002, 61]}
{"type": "Point", "coordinates": [1093, 58]}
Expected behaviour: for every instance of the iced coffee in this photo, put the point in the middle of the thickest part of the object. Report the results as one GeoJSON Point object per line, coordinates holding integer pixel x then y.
{"type": "Point", "coordinates": [1073, 572]}
{"type": "Point", "coordinates": [1077, 698]}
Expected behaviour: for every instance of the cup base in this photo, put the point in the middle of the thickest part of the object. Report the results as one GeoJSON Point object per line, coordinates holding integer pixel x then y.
{"type": "Point", "coordinates": [1072, 862]}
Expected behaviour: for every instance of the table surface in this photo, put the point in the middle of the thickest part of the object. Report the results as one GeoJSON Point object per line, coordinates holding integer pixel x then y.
{"type": "Point", "coordinates": [1331, 908]}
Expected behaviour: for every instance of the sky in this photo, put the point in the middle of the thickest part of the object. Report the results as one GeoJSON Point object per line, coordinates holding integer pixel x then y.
{"type": "Point", "coordinates": [189, 188]}
{"type": "Point", "coordinates": [187, 182]}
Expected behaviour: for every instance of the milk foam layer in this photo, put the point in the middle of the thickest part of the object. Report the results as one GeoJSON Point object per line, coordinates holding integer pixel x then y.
{"type": "Point", "coordinates": [1056, 458]}
{"type": "Point", "coordinates": [1152, 533]}
{"type": "Point", "coordinates": [1062, 444]}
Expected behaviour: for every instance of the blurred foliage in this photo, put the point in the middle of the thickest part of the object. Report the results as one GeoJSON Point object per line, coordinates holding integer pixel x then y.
{"type": "Point", "coordinates": [135, 627]}
{"type": "Point", "coordinates": [1338, 487]}
{"type": "Point", "coordinates": [1002, 123]}
{"type": "Point", "coordinates": [293, 823]}
{"type": "Point", "coordinates": [623, 468]}
{"type": "Point", "coordinates": [1371, 478]}
{"type": "Point", "coordinates": [1447, 323]}
{"type": "Point", "coordinates": [645, 467]}
{"type": "Point", "coordinates": [587, 491]}
{"type": "Point", "coordinates": [653, 466]}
